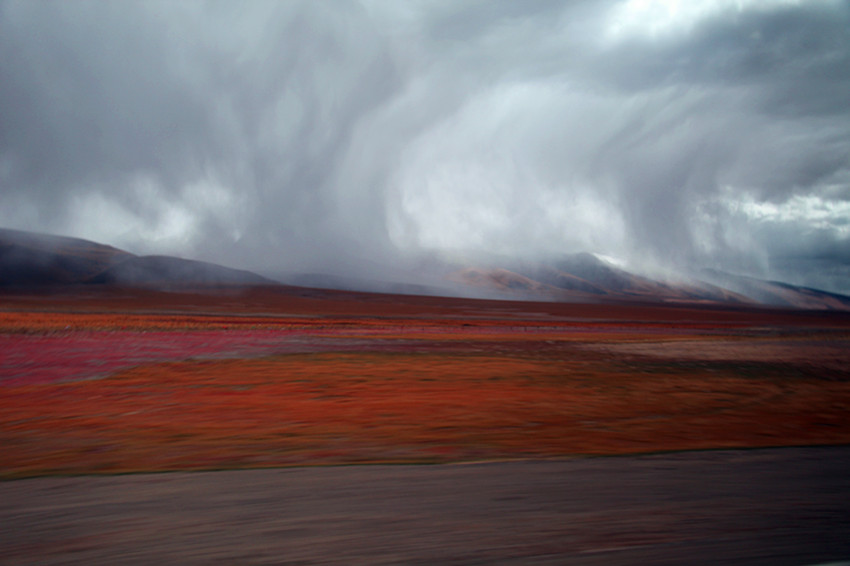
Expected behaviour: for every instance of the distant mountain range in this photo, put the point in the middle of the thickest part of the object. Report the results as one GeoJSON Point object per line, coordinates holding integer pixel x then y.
{"type": "Point", "coordinates": [586, 277]}
{"type": "Point", "coordinates": [777, 292]}
{"type": "Point", "coordinates": [39, 260]}
{"type": "Point", "coordinates": [30, 260]}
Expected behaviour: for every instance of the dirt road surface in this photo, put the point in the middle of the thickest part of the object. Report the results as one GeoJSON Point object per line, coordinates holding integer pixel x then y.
{"type": "Point", "coordinates": [779, 506]}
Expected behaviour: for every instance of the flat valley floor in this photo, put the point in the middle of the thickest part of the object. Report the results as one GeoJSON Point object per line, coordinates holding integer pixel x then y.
{"type": "Point", "coordinates": [344, 428]}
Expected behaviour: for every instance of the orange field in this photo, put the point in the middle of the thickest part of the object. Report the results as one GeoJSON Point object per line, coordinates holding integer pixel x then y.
{"type": "Point", "coordinates": [134, 391]}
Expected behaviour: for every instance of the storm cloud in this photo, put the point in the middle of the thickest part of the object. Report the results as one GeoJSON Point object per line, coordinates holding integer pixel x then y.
{"type": "Point", "coordinates": [350, 137]}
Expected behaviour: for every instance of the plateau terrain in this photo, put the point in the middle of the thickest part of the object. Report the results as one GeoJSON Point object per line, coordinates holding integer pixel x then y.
{"type": "Point", "coordinates": [112, 364]}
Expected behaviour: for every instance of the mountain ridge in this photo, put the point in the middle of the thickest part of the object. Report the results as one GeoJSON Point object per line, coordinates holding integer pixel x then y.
{"type": "Point", "coordinates": [44, 260]}
{"type": "Point", "coordinates": [584, 276]}
{"type": "Point", "coordinates": [35, 260]}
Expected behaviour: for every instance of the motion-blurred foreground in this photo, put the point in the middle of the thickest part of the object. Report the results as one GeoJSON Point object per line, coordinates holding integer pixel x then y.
{"type": "Point", "coordinates": [115, 379]}
{"type": "Point", "coordinates": [759, 507]}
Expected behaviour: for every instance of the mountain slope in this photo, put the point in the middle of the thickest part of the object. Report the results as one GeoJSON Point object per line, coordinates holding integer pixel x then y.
{"type": "Point", "coordinates": [586, 277]}
{"type": "Point", "coordinates": [39, 260]}
{"type": "Point", "coordinates": [164, 270]}
{"type": "Point", "coordinates": [28, 259]}
{"type": "Point", "coordinates": [500, 280]}
{"type": "Point", "coordinates": [777, 292]}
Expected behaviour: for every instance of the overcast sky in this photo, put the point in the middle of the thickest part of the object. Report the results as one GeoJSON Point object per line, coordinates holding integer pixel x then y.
{"type": "Point", "coordinates": [342, 136]}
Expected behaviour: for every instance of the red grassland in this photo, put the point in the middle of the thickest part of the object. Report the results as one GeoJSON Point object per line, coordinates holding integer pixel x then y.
{"type": "Point", "coordinates": [141, 381]}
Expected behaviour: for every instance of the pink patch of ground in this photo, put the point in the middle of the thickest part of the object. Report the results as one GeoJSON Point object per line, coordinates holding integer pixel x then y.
{"type": "Point", "coordinates": [35, 359]}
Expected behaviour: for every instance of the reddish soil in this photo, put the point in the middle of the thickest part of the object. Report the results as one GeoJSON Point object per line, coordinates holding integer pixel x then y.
{"type": "Point", "coordinates": [146, 381]}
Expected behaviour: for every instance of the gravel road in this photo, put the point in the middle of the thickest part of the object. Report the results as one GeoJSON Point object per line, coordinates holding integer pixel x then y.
{"type": "Point", "coordinates": [772, 507]}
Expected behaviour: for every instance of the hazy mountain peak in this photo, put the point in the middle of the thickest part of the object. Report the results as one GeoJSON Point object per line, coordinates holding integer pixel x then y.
{"type": "Point", "coordinates": [30, 259]}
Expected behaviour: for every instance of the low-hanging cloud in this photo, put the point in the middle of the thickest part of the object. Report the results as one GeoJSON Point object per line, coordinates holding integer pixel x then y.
{"type": "Point", "coordinates": [349, 137]}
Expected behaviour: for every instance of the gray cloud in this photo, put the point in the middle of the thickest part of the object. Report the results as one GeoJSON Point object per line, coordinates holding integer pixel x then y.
{"type": "Point", "coordinates": [352, 137]}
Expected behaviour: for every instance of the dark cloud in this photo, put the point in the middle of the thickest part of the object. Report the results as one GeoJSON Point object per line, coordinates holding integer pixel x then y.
{"type": "Point", "coordinates": [351, 137]}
